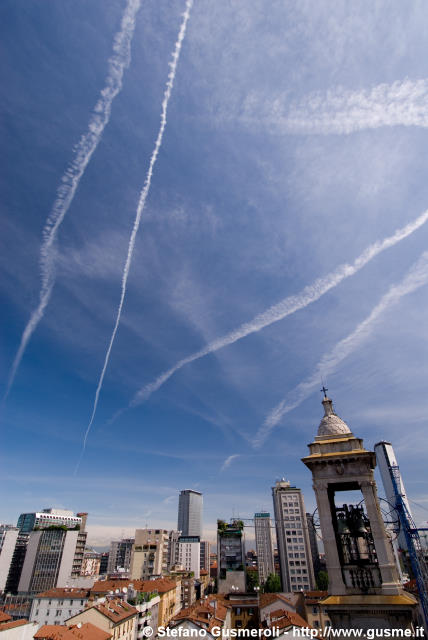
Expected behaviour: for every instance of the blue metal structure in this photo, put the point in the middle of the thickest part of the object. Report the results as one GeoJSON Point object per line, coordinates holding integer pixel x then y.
{"type": "Point", "coordinates": [413, 541]}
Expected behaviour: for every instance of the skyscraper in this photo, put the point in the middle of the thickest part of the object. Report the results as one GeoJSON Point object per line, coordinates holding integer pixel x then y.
{"type": "Point", "coordinates": [190, 513]}
{"type": "Point", "coordinates": [264, 545]}
{"type": "Point", "coordinates": [8, 537]}
{"type": "Point", "coordinates": [292, 537]}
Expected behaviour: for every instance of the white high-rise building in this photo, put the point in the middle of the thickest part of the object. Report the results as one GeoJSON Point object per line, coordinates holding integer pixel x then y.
{"type": "Point", "coordinates": [264, 545]}
{"type": "Point", "coordinates": [8, 537]}
{"type": "Point", "coordinates": [190, 513]}
{"type": "Point", "coordinates": [386, 459]}
{"type": "Point", "coordinates": [188, 554]}
{"type": "Point", "coordinates": [292, 538]}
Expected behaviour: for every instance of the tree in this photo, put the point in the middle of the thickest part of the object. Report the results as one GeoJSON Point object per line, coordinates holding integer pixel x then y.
{"type": "Point", "coordinates": [252, 580]}
{"type": "Point", "coordinates": [322, 580]}
{"type": "Point", "coordinates": [272, 584]}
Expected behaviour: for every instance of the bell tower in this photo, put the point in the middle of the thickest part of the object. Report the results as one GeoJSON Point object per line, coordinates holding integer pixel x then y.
{"type": "Point", "coordinates": [364, 587]}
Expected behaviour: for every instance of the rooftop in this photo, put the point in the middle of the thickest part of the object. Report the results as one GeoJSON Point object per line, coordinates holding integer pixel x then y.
{"type": "Point", "coordinates": [86, 631]}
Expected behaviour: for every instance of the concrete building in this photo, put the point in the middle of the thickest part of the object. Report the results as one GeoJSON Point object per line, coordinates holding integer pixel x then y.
{"type": "Point", "coordinates": [119, 557]}
{"type": "Point", "coordinates": [264, 545]}
{"type": "Point", "coordinates": [189, 554]}
{"type": "Point", "coordinates": [292, 537]}
{"type": "Point", "coordinates": [190, 513]}
{"type": "Point", "coordinates": [55, 606]}
{"type": "Point", "coordinates": [8, 538]}
{"type": "Point", "coordinates": [364, 587]}
{"type": "Point", "coordinates": [53, 556]}
{"type": "Point", "coordinates": [231, 557]}
{"type": "Point", "coordinates": [150, 553]}
{"type": "Point", "coordinates": [205, 555]}
{"type": "Point", "coordinates": [49, 517]}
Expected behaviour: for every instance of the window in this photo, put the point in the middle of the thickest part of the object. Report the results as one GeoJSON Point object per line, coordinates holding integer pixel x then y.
{"type": "Point", "coordinates": [58, 612]}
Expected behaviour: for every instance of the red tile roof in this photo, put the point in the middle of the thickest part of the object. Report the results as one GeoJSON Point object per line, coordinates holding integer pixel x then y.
{"type": "Point", "coordinates": [86, 631]}
{"type": "Point", "coordinates": [14, 623]}
{"type": "Point", "coordinates": [116, 610]}
{"type": "Point", "coordinates": [4, 617]}
{"type": "Point", "coordinates": [64, 593]}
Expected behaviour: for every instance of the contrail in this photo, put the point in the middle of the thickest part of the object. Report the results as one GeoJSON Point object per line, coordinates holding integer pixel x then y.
{"type": "Point", "coordinates": [416, 277]}
{"type": "Point", "coordinates": [343, 111]}
{"type": "Point", "coordinates": [83, 151]}
{"type": "Point", "coordinates": [140, 207]}
{"type": "Point", "coordinates": [287, 306]}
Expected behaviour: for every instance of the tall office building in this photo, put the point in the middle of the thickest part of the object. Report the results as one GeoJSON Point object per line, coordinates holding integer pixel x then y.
{"type": "Point", "coordinates": [292, 538]}
{"type": "Point", "coordinates": [53, 556]}
{"type": "Point", "coordinates": [386, 461]}
{"type": "Point", "coordinates": [190, 513]}
{"type": "Point", "coordinates": [264, 545]}
{"type": "Point", "coordinates": [231, 557]}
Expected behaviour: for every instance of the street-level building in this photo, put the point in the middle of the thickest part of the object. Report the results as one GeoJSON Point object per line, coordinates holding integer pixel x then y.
{"type": "Point", "coordinates": [55, 606]}
{"type": "Point", "coordinates": [113, 616]}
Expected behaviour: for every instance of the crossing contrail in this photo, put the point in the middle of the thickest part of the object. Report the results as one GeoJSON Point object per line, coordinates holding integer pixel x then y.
{"type": "Point", "coordinates": [285, 307]}
{"type": "Point", "coordinates": [140, 207]}
{"type": "Point", "coordinates": [83, 151]}
{"type": "Point", "coordinates": [416, 277]}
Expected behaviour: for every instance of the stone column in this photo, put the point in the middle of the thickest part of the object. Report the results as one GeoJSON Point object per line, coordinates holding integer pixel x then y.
{"type": "Point", "coordinates": [388, 570]}
{"type": "Point", "coordinates": [336, 585]}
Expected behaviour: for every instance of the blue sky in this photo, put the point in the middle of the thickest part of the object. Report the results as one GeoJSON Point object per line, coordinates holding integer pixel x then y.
{"type": "Point", "coordinates": [295, 141]}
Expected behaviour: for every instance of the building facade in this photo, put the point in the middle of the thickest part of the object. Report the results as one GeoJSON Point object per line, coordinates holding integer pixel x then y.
{"type": "Point", "coordinates": [190, 513]}
{"type": "Point", "coordinates": [189, 554]}
{"type": "Point", "coordinates": [119, 557]}
{"type": "Point", "coordinates": [49, 517]}
{"type": "Point", "coordinates": [230, 557]}
{"type": "Point", "coordinates": [150, 553]}
{"type": "Point", "coordinates": [292, 537]}
{"type": "Point", "coordinates": [264, 545]}
{"type": "Point", "coordinates": [205, 555]}
{"type": "Point", "coordinates": [55, 606]}
{"type": "Point", "coordinates": [8, 539]}
{"type": "Point", "coordinates": [53, 556]}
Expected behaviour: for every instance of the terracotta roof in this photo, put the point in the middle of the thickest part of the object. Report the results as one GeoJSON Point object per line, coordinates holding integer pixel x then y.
{"type": "Point", "coordinates": [86, 631]}
{"type": "Point", "coordinates": [115, 610]}
{"type": "Point", "coordinates": [64, 593]}
{"type": "Point", "coordinates": [204, 572]}
{"type": "Point", "coordinates": [161, 585]}
{"type": "Point", "coordinates": [4, 617]}
{"type": "Point", "coordinates": [104, 586]}
{"type": "Point", "coordinates": [290, 619]}
{"type": "Point", "coordinates": [11, 625]}
{"type": "Point", "coordinates": [269, 598]}
{"type": "Point", "coordinates": [203, 613]}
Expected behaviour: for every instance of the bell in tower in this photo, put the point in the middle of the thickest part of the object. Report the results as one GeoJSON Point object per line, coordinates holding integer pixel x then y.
{"type": "Point", "coordinates": [364, 587]}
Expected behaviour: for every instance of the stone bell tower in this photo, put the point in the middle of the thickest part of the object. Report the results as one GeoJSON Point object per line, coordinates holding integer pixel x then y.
{"type": "Point", "coordinates": [364, 587]}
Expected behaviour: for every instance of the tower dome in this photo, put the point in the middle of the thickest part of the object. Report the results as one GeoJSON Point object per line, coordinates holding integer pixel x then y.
{"type": "Point", "coordinates": [331, 424]}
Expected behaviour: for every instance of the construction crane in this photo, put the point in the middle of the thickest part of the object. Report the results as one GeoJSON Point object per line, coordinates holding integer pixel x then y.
{"type": "Point", "coordinates": [413, 541]}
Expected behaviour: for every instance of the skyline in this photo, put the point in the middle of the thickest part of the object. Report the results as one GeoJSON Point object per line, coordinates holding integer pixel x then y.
{"type": "Point", "coordinates": [291, 172]}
